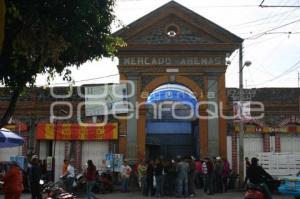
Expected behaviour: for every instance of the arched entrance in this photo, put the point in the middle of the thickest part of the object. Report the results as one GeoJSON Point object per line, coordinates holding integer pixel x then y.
{"type": "Point", "coordinates": [190, 87]}
{"type": "Point", "coordinates": [171, 122]}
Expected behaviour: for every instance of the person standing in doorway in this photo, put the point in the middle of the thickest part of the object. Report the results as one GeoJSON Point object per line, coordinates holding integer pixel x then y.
{"type": "Point", "coordinates": [35, 174]}
{"type": "Point", "coordinates": [205, 175]}
{"type": "Point", "coordinates": [248, 164]}
{"type": "Point", "coordinates": [218, 172]}
{"type": "Point", "coordinates": [225, 174]}
{"type": "Point", "coordinates": [65, 167]}
{"type": "Point", "coordinates": [90, 179]}
{"type": "Point", "coordinates": [191, 176]}
{"type": "Point", "coordinates": [182, 170]}
{"type": "Point", "coordinates": [13, 182]}
{"type": "Point", "coordinates": [149, 179]}
{"type": "Point", "coordinates": [198, 174]}
{"type": "Point", "coordinates": [125, 174]}
{"type": "Point", "coordinates": [142, 174]}
{"type": "Point", "coordinates": [70, 176]}
{"type": "Point", "coordinates": [158, 168]}
{"type": "Point", "coordinates": [210, 176]}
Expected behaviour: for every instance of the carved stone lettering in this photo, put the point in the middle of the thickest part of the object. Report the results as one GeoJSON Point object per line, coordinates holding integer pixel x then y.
{"type": "Point", "coordinates": [180, 60]}
{"type": "Point", "coordinates": [140, 61]}
{"type": "Point", "coordinates": [204, 61]}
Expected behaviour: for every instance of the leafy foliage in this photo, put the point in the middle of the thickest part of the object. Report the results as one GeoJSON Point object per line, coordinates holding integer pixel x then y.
{"type": "Point", "coordinates": [48, 36]}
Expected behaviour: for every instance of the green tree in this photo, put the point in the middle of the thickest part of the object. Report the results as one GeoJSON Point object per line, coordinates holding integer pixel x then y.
{"type": "Point", "coordinates": [45, 37]}
{"type": "Point", "coordinates": [2, 17]}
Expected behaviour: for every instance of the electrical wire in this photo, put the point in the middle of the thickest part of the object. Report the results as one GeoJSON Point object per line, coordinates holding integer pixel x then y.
{"type": "Point", "coordinates": [278, 6]}
{"type": "Point", "coordinates": [289, 70]}
{"type": "Point", "coordinates": [275, 48]}
{"type": "Point", "coordinates": [257, 20]}
{"type": "Point", "coordinates": [278, 27]}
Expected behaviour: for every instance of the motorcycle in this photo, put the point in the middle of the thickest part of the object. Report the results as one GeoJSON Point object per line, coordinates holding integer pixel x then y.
{"type": "Point", "coordinates": [55, 190]}
{"type": "Point", "coordinates": [80, 183]}
{"type": "Point", "coordinates": [254, 191]}
{"type": "Point", "coordinates": [104, 183]}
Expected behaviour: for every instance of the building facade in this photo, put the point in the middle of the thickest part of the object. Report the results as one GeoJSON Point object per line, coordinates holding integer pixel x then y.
{"type": "Point", "coordinates": [173, 56]}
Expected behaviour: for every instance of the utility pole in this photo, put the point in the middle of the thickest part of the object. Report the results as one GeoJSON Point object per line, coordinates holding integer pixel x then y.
{"type": "Point", "coordinates": [241, 99]}
{"type": "Point", "coordinates": [298, 79]}
{"type": "Point", "coordinates": [241, 133]}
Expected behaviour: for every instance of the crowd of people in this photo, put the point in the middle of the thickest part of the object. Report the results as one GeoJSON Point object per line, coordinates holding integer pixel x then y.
{"type": "Point", "coordinates": [160, 177]}
{"type": "Point", "coordinates": [181, 176]}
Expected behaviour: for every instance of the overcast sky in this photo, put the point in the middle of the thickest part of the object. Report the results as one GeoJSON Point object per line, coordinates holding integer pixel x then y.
{"type": "Point", "coordinates": [275, 55]}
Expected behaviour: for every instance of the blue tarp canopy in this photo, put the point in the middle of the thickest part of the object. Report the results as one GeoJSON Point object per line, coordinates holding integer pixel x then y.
{"type": "Point", "coordinates": [9, 139]}
{"type": "Point", "coordinates": [172, 92]}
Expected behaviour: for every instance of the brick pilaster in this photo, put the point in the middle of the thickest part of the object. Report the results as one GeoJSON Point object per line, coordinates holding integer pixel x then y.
{"type": "Point", "coordinates": [277, 143]}
{"type": "Point", "coordinates": [266, 142]}
{"type": "Point", "coordinates": [25, 146]}
{"type": "Point", "coordinates": [67, 149]}
{"type": "Point", "coordinates": [78, 157]}
{"type": "Point", "coordinates": [234, 153]}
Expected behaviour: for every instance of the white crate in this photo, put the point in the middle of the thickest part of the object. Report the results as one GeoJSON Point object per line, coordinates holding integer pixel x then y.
{"type": "Point", "coordinates": [280, 164]}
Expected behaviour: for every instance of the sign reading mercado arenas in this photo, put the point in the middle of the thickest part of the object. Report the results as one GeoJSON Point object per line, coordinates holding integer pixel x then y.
{"type": "Point", "coordinates": [106, 99]}
{"type": "Point", "coordinates": [171, 60]}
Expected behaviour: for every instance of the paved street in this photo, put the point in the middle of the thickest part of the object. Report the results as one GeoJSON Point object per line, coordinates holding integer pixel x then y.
{"type": "Point", "coordinates": [200, 194]}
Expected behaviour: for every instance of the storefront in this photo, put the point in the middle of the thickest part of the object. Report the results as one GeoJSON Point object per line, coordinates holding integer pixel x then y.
{"type": "Point", "coordinates": [66, 141]}
{"type": "Point", "coordinates": [259, 139]}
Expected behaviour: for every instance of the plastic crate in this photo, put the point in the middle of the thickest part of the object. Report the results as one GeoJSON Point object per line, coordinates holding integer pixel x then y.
{"type": "Point", "coordinates": [290, 186]}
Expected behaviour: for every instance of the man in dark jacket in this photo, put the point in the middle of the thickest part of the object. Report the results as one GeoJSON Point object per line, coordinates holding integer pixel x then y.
{"type": "Point", "coordinates": [248, 164]}
{"type": "Point", "coordinates": [257, 175]}
{"type": "Point", "coordinates": [149, 179]}
{"type": "Point", "coordinates": [35, 174]}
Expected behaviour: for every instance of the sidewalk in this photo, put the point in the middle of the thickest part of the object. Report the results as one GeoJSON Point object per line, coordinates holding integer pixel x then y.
{"type": "Point", "coordinates": [200, 194]}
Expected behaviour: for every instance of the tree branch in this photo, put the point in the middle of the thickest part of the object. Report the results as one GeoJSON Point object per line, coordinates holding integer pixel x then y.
{"type": "Point", "coordinates": [2, 22]}
{"type": "Point", "coordinates": [11, 107]}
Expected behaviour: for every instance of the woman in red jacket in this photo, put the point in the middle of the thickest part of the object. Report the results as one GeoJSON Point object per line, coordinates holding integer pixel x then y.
{"type": "Point", "coordinates": [90, 179]}
{"type": "Point", "coordinates": [13, 182]}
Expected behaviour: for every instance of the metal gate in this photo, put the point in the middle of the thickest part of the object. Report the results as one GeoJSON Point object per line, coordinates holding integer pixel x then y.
{"type": "Point", "coordinates": [290, 142]}
{"type": "Point", "coordinates": [95, 151]}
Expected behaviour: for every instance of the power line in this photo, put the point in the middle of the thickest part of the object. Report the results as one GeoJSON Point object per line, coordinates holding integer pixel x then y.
{"type": "Point", "coordinates": [270, 52]}
{"type": "Point", "coordinates": [260, 19]}
{"type": "Point", "coordinates": [278, 27]}
{"type": "Point", "coordinates": [277, 6]}
{"type": "Point", "coordinates": [289, 70]}
{"type": "Point", "coordinates": [298, 79]}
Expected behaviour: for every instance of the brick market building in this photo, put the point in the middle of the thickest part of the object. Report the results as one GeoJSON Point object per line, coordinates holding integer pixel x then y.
{"type": "Point", "coordinates": [278, 131]}
{"type": "Point", "coordinates": [171, 47]}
